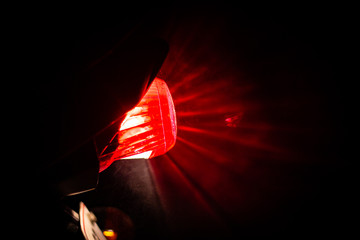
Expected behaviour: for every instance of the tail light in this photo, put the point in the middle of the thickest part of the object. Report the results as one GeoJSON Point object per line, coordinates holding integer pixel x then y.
{"type": "Point", "coordinates": [148, 130]}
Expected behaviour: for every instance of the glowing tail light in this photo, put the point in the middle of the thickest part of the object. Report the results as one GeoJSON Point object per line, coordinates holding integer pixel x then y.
{"type": "Point", "coordinates": [148, 130]}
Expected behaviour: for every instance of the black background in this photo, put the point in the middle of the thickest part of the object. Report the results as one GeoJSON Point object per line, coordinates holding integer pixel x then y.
{"type": "Point", "coordinates": [312, 44]}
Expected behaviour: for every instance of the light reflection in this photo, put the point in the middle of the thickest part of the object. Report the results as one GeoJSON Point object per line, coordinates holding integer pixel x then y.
{"type": "Point", "coordinates": [221, 130]}
{"type": "Point", "coordinates": [110, 234]}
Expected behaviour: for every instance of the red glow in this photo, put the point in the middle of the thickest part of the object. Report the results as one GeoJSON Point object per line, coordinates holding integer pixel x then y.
{"type": "Point", "coordinates": [224, 136]}
{"type": "Point", "coordinates": [148, 130]}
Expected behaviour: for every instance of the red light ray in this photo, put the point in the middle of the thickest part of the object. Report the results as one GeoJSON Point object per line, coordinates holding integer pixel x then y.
{"type": "Point", "coordinates": [206, 91]}
{"type": "Point", "coordinates": [170, 175]}
{"type": "Point", "coordinates": [186, 181]}
{"type": "Point", "coordinates": [211, 154]}
{"type": "Point", "coordinates": [188, 79]}
{"type": "Point", "coordinates": [216, 179]}
{"type": "Point", "coordinates": [222, 131]}
{"type": "Point", "coordinates": [208, 112]}
{"type": "Point", "coordinates": [253, 142]}
{"type": "Point", "coordinates": [220, 158]}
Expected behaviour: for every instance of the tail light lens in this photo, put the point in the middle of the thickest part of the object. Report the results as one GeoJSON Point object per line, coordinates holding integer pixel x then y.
{"type": "Point", "coordinates": [148, 130]}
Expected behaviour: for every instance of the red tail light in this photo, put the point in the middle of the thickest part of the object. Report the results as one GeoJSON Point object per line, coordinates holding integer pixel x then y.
{"type": "Point", "coordinates": [148, 130]}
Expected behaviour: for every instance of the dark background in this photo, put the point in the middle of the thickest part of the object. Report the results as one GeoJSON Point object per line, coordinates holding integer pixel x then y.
{"type": "Point", "coordinates": [282, 76]}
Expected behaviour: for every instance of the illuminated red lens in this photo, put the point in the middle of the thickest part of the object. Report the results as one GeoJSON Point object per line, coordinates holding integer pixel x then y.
{"type": "Point", "coordinates": [148, 130]}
